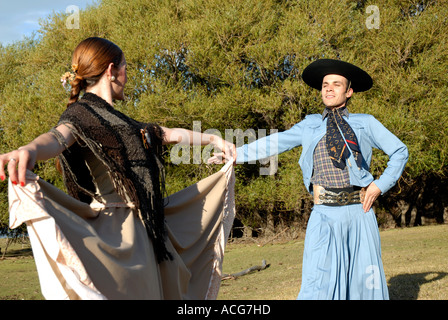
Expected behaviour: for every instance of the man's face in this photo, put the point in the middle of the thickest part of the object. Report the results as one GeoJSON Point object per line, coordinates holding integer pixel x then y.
{"type": "Point", "coordinates": [334, 91]}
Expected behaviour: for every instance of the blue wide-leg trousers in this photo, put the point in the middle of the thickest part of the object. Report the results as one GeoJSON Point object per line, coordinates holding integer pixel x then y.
{"type": "Point", "coordinates": [342, 255]}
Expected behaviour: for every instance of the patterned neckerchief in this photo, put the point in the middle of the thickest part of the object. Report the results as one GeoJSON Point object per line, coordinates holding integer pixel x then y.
{"type": "Point", "coordinates": [336, 146]}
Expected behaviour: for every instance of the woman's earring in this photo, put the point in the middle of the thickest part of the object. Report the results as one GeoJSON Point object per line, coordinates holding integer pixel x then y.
{"type": "Point", "coordinates": [112, 79]}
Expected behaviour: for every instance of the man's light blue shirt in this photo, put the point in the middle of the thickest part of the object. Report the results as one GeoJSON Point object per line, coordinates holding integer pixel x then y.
{"type": "Point", "coordinates": [307, 133]}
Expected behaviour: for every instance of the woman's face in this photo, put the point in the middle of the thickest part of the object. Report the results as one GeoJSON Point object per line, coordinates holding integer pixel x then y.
{"type": "Point", "coordinates": [120, 81]}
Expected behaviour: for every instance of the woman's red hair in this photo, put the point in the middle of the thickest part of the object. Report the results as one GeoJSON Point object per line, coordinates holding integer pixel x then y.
{"type": "Point", "coordinates": [90, 59]}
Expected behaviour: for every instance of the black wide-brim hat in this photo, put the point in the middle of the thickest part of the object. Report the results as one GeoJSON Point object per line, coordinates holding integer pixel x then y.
{"type": "Point", "coordinates": [314, 73]}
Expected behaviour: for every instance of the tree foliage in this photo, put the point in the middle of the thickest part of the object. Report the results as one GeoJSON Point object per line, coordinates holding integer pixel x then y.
{"type": "Point", "coordinates": [236, 65]}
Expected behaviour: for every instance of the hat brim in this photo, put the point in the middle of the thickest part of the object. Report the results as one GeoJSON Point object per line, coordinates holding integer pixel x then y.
{"type": "Point", "coordinates": [314, 73]}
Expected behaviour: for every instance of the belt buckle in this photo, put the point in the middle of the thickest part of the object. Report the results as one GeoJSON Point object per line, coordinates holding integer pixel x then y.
{"type": "Point", "coordinates": [343, 198]}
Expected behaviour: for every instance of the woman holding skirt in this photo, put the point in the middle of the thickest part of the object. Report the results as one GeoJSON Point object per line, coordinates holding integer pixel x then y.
{"type": "Point", "coordinates": [113, 236]}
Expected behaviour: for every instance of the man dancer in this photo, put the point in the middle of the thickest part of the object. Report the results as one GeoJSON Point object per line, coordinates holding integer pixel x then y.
{"type": "Point", "coordinates": [342, 254]}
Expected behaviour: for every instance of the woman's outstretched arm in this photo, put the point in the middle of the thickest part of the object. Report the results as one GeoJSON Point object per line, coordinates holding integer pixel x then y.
{"type": "Point", "coordinates": [44, 147]}
{"type": "Point", "coordinates": [188, 137]}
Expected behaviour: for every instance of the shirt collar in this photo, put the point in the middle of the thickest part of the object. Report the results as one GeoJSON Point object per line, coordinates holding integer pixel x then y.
{"type": "Point", "coordinates": [343, 111]}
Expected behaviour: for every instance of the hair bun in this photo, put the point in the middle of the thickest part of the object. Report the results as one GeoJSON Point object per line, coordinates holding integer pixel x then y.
{"type": "Point", "coordinates": [90, 59]}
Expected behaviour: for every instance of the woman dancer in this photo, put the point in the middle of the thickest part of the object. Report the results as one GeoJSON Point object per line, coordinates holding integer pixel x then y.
{"type": "Point", "coordinates": [111, 237]}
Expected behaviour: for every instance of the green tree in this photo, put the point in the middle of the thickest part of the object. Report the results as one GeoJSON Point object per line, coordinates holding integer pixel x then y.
{"type": "Point", "coordinates": [237, 65]}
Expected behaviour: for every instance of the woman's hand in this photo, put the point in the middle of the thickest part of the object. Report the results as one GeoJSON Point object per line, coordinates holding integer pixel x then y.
{"type": "Point", "coordinates": [17, 162]}
{"type": "Point", "coordinates": [228, 151]}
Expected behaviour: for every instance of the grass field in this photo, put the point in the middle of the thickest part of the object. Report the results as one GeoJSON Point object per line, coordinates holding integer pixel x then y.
{"type": "Point", "coordinates": [415, 261]}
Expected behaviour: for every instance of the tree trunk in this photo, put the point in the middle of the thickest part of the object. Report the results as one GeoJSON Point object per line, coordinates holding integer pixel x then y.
{"type": "Point", "coordinates": [8, 242]}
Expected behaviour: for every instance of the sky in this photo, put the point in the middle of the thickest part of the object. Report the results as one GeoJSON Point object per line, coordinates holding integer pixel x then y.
{"type": "Point", "coordinates": [19, 18]}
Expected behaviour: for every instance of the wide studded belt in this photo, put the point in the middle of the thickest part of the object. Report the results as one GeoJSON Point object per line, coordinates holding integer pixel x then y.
{"type": "Point", "coordinates": [338, 196]}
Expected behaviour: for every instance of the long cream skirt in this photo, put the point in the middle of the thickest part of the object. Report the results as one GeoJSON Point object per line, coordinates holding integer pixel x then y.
{"type": "Point", "coordinates": [102, 251]}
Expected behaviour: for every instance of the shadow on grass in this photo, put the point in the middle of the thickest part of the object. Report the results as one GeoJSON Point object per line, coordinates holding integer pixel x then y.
{"type": "Point", "coordinates": [15, 253]}
{"type": "Point", "coordinates": [407, 286]}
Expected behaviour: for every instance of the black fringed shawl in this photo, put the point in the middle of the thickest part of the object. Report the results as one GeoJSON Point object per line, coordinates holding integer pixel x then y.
{"type": "Point", "coordinates": [134, 166]}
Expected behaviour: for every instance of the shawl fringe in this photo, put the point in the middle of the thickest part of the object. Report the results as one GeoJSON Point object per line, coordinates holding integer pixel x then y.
{"type": "Point", "coordinates": [132, 161]}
